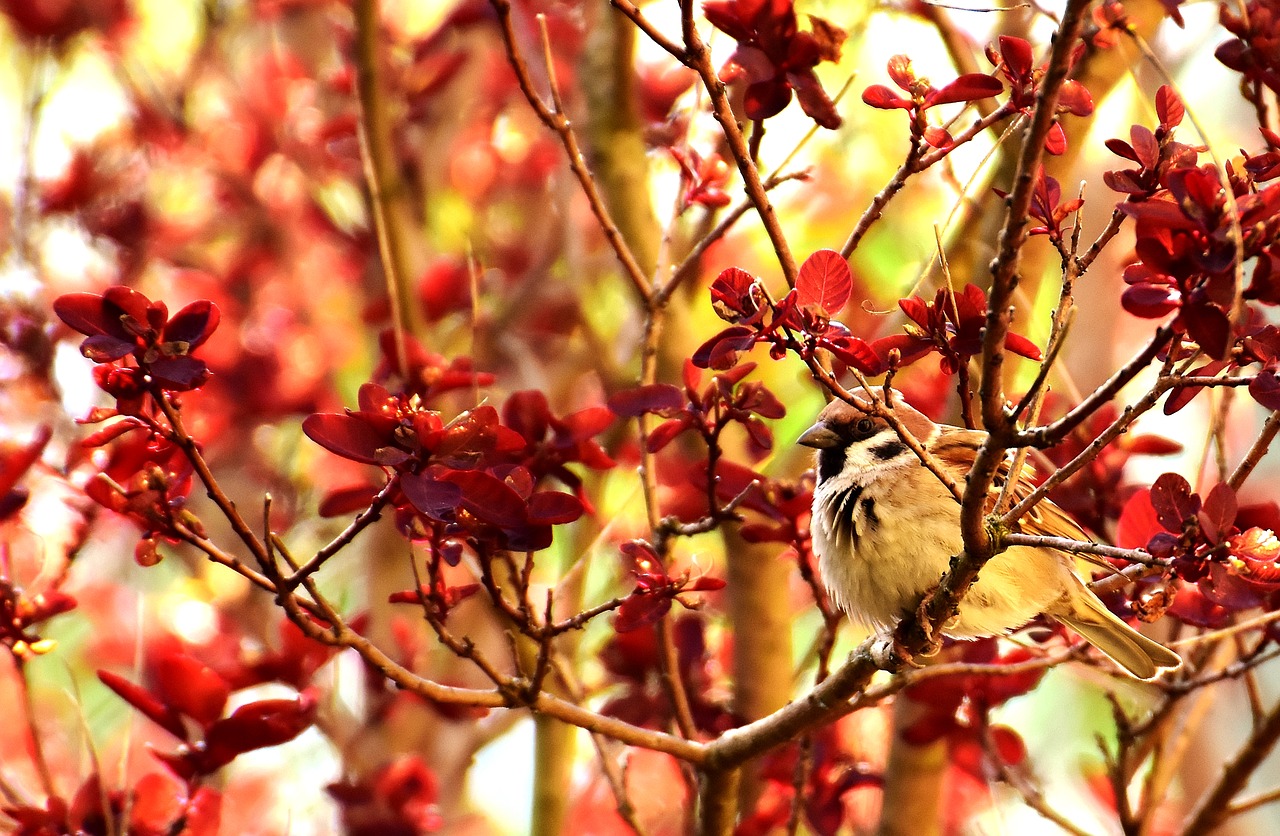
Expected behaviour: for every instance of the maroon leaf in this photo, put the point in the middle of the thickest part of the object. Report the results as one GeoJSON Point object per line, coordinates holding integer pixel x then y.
{"type": "Point", "coordinates": [1265, 389]}
{"type": "Point", "coordinates": [190, 687]}
{"type": "Point", "coordinates": [877, 95]}
{"type": "Point", "coordinates": [104, 348]}
{"type": "Point", "coordinates": [488, 498]}
{"type": "Point", "coordinates": [1173, 501]}
{"type": "Point", "coordinates": [84, 312]}
{"type": "Point", "coordinates": [193, 324]}
{"type": "Point", "coordinates": [1219, 511]}
{"type": "Point", "coordinates": [722, 350]}
{"type": "Point", "coordinates": [1150, 301]}
{"type": "Point", "coordinates": [344, 435]}
{"type": "Point", "coordinates": [433, 497]}
{"type": "Point", "coordinates": [553, 508]}
{"type": "Point", "coordinates": [1209, 327]}
{"type": "Point", "coordinates": [825, 281]}
{"type": "Point", "coordinates": [967, 88]}
{"type": "Point", "coordinates": [652, 397]}
{"type": "Point", "coordinates": [257, 725]}
{"type": "Point", "coordinates": [641, 609]}
{"type": "Point", "coordinates": [1169, 107]}
{"type": "Point", "coordinates": [141, 699]}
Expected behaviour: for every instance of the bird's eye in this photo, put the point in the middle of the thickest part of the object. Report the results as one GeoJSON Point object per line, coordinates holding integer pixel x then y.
{"type": "Point", "coordinates": [864, 426]}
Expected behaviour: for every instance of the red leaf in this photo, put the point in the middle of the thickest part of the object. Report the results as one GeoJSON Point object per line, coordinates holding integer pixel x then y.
{"type": "Point", "coordinates": [488, 498]}
{"type": "Point", "coordinates": [157, 804]}
{"type": "Point", "coordinates": [826, 281]}
{"type": "Point", "coordinates": [877, 95]}
{"type": "Point", "coordinates": [257, 725]}
{"type": "Point", "coordinates": [193, 324]}
{"type": "Point", "coordinates": [433, 497]}
{"type": "Point", "coordinates": [1173, 501]}
{"type": "Point", "coordinates": [1008, 745]}
{"type": "Point", "coordinates": [1138, 522]}
{"type": "Point", "coordinates": [662, 434]}
{"type": "Point", "coordinates": [204, 813]}
{"type": "Point", "coordinates": [653, 397]}
{"type": "Point", "coordinates": [143, 700]}
{"type": "Point", "coordinates": [1265, 389]}
{"type": "Point", "coordinates": [968, 87]}
{"type": "Point", "coordinates": [188, 685]}
{"type": "Point", "coordinates": [1150, 301]}
{"type": "Point", "coordinates": [84, 312]}
{"type": "Point", "coordinates": [1209, 327]}
{"type": "Point", "coordinates": [641, 609]}
{"type": "Point", "coordinates": [1019, 344]}
{"type": "Point", "coordinates": [1219, 511]}
{"type": "Point", "coordinates": [938, 137]}
{"type": "Point", "coordinates": [722, 350]}
{"type": "Point", "coordinates": [344, 435]}
{"type": "Point", "coordinates": [346, 500]}
{"type": "Point", "coordinates": [553, 508]}
{"type": "Point", "coordinates": [1169, 107]}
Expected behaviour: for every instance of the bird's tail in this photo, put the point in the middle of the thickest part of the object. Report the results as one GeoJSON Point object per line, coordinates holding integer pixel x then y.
{"type": "Point", "coordinates": [1084, 613]}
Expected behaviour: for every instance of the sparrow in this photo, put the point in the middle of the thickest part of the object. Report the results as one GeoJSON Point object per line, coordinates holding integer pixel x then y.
{"type": "Point", "coordinates": [884, 530]}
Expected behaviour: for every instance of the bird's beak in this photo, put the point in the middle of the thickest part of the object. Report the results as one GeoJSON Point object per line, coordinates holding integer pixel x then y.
{"type": "Point", "coordinates": [819, 436]}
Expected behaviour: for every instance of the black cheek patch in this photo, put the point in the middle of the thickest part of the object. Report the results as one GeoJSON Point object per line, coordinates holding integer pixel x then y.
{"type": "Point", "coordinates": [869, 513]}
{"type": "Point", "coordinates": [890, 449]}
{"type": "Point", "coordinates": [830, 462]}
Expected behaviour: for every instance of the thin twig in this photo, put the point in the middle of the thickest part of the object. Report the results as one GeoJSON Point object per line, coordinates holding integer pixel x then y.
{"type": "Point", "coordinates": [555, 119]}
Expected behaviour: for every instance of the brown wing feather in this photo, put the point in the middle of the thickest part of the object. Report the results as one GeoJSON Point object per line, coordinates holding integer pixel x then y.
{"type": "Point", "coordinates": [955, 448]}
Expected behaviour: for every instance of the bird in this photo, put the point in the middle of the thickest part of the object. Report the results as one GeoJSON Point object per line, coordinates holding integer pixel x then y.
{"type": "Point", "coordinates": [884, 529]}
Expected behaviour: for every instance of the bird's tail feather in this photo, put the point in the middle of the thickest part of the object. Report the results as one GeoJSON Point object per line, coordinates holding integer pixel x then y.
{"type": "Point", "coordinates": [1139, 655]}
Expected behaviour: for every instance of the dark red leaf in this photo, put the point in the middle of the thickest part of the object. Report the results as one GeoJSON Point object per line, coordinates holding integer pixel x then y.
{"type": "Point", "coordinates": [189, 686]}
{"type": "Point", "coordinates": [662, 434]}
{"type": "Point", "coordinates": [1173, 501]}
{"type": "Point", "coordinates": [488, 498]}
{"type": "Point", "coordinates": [257, 725]}
{"type": "Point", "coordinates": [1209, 327]}
{"type": "Point", "coordinates": [765, 99]}
{"type": "Point", "coordinates": [1219, 511]}
{"type": "Point", "coordinates": [84, 312]}
{"type": "Point", "coordinates": [433, 497]}
{"type": "Point", "coordinates": [653, 397]}
{"type": "Point", "coordinates": [143, 700]}
{"type": "Point", "coordinates": [345, 435]}
{"type": "Point", "coordinates": [877, 95]}
{"type": "Point", "coordinates": [180, 373]}
{"type": "Point", "coordinates": [1265, 389]}
{"type": "Point", "coordinates": [967, 88]}
{"type": "Point", "coordinates": [194, 323]}
{"type": "Point", "coordinates": [553, 508]}
{"type": "Point", "coordinates": [722, 350]}
{"type": "Point", "coordinates": [346, 500]}
{"type": "Point", "coordinates": [641, 609]}
{"type": "Point", "coordinates": [1169, 107]}
{"type": "Point", "coordinates": [825, 281]}
{"type": "Point", "coordinates": [1150, 301]}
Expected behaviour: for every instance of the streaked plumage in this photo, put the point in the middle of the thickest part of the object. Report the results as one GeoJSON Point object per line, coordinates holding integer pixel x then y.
{"type": "Point", "coordinates": [884, 529]}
